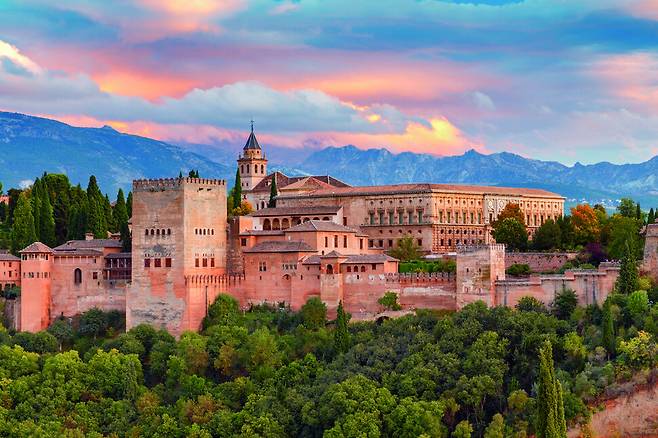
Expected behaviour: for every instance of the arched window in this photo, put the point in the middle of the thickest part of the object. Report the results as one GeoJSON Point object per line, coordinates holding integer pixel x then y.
{"type": "Point", "coordinates": [152, 232]}
{"type": "Point", "coordinates": [163, 232]}
{"type": "Point", "coordinates": [330, 269]}
{"type": "Point", "coordinates": [157, 232]}
{"type": "Point", "coordinates": [146, 232]}
{"type": "Point", "coordinates": [77, 276]}
{"type": "Point", "coordinates": [275, 224]}
{"type": "Point", "coordinates": [247, 168]}
{"type": "Point", "coordinates": [168, 231]}
{"type": "Point", "coordinates": [262, 168]}
{"type": "Point", "coordinates": [267, 225]}
{"type": "Point", "coordinates": [363, 269]}
{"type": "Point", "coordinates": [242, 168]}
{"type": "Point", "coordinates": [285, 223]}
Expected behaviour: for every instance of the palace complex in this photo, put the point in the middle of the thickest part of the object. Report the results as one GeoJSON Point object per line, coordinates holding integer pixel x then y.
{"type": "Point", "coordinates": [324, 238]}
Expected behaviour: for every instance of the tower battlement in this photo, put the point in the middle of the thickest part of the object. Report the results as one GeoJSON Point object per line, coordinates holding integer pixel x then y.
{"type": "Point", "coordinates": [464, 249]}
{"type": "Point", "coordinates": [173, 183]}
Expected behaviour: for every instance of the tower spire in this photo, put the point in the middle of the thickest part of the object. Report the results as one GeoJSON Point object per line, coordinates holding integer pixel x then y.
{"type": "Point", "coordinates": [252, 125]}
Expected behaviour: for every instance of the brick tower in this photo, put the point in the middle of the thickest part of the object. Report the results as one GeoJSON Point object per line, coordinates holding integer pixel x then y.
{"type": "Point", "coordinates": [650, 264]}
{"type": "Point", "coordinates": [252, 164]}
{"type": "Point", "coordinates": [178, 253]}
{"type": "Point", "coordinates": [36, 273]}
{"type": "Point", "coordinates": [478, 268]}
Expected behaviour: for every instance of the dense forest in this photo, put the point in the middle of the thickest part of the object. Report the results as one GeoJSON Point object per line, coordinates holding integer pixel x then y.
{"type": "Point", "coordinates": [274, 373]}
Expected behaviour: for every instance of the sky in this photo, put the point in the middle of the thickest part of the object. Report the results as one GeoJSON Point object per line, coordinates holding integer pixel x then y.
{"type": "Point", "coordinates": [563, 80]}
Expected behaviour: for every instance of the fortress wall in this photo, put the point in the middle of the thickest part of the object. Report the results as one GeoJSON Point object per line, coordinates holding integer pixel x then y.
{"type": "Point", "coordinates": [539, 261]}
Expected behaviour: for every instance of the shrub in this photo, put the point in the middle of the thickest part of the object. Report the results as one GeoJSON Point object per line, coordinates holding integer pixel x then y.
{"type": "Point", "coordinates": [390, 301]}
{"type": "Point", "coordinates": [518, 269]}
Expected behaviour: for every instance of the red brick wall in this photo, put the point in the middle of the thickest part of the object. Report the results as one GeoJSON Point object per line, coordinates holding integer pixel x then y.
{"type": "Point", "coordinates": [539, 261]}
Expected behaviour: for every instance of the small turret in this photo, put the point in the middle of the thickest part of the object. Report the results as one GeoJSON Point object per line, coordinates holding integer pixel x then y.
{"type": "Point", "coordinates": [252, 163]}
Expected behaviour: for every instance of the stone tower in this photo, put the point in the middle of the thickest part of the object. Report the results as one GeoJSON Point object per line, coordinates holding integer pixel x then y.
{"type": "Point", "coordinates": [36, 278]}
{"type": "Point", "coordinates": [252, 163]}
{"type": "Point", "coordinates": [478, 268]}
{"type": "Point", "coordinates": [179, 230]}
{"type": "Point", "coordinates": [650, 264]}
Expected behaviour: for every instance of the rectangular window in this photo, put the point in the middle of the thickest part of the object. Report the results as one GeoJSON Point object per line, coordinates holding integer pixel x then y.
{"type": "Point", "coordinates": [440, 217]}
{"type": "Point", "coordinates": [196, 263]}
{"type": "Point", "coordinates": [370, 243]}
{"type": "Point", "coordinates": [94, 275]}
{"type": "Point", "coordinates": [381, 243]}
{"type": "Point", "coordinates": [479, 218]}
{"type": "Point", "coordinates": [420, 242]}
{"type": "Point", "coordinates": [372, 218]}
{"type": "Point", "coordinates": [204, 263]}
{"type": "Point", "coordinates": [212, 262]}
{"type": "Point", "coordinates": [345, 221]}
{"type": "Point", "coordinates": [381, 217]}
{"type": "Point", "coordinates": [391, 218]}
{"type": "Point", "coordinates": [360, 243]}
{"type": "Point", "coordinates": [243, 242]}
{"type": "Point", "coordinates": [167, 262]}
{"type": "Point", "coordinates": [344, 241]}
{"type": "Point", "coordinates": [147, 263]}
{"type": "Point", "coordinates": [390, 243]}
{"type": "Point", "coordinates": [335, 241]}
{"type": "Point", "coordinates": [400, 217]}
{"type": "Point", "coordinates": [472, 217]}
{"type": "Point", "coordinates": [420, 216]}
{"type": "Point", "coordinates": [158, 263]}
{"type": "Point", "coordinates": [411, 217]}
{"type": "Point", "coordinates": [326, 241]}
{"type": "Point", "coordinates": [373, 266]}
{"type": "Point", "coordinates": [449, 216]}
{"type": "Point", "coordinates": [464, 218]}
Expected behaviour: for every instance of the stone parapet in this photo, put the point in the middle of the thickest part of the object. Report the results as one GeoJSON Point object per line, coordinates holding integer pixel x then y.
{"type": "Point", "coordinates": [173, 183]}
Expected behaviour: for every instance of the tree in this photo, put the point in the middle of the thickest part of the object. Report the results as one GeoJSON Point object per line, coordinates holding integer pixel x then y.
{"type": "Point", "coordinates": [624, 231]}
{"type": "Point", "coordinates": [35, 199]}
{"type": "Point", "coordinates": [225, 310]}
{"type": "Point", "coordinates": [47, 221]}
{"type": "Point", "coordinates": [548, 236]}
{"type": "Point", "coordinates": [121, 217]}
{"type": "Point", "coordinates": [564, 304]}
{"type": "Point", "coordinates": [530, 304]}
{"type": "Point", "coordinates": [193, 174]}
{"type": "Point", "coordinates": [463, 430]}
{"type": "Point", "coordinates": [585, 223]}
{"type": "Point", "coordinates": [341, 332]}
{"type": "Point", "coordinates": [314, 313]}
{"type": "Point", "coordinates": [93, 322]}
{"type": "Point", "coordinates": [512, 233]}
{"type": "Point", "coordinates": [23, 232]}
{"type": "Point", "coordinates": [608, 327]}
{"type": "Point", "coordinates": [512, 211]}
{"type": "Point", "coordinates": [390, 301]}
{"type": "Point", "coordinates": [638, 306]}
{"type": "Point", "coordinates": [237, 190]}
{"type": "Point", "coordinates": [550, 408]}
{"type": "Point", "coordinates": [651, 216]}
{"type": "Point", "coordinates": [640, 351]}
{"type": "Point", "coordinates": [96, 218]}
{"type": "Point", "coordinates": [496, 428]}
{"type": "Point", "coordinates": [628, 279]}
{"type": "Point", "coordinates": [274, 192]}
{"type": "Point", "coordinates": [406, 250]}
{"type": "Point", "coordinates": [61, 330]}
{"type": "Point", "coordinates": [129, 204]}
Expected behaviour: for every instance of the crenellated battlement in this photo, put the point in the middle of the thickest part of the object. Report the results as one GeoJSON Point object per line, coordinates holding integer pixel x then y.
{"type": "Point", "coordinates": [173, 183]}
{"type": "Point", "coordinates": [421, 277]}
{"type": "Point", "coordinates": [213, 279]}
{"type": "Point", "coordinates": [463, 249]}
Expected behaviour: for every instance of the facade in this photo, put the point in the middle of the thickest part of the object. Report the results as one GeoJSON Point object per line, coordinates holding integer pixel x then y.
{"type": "Point", "coordinates": [650, 265]}
{"type": "Point", "coordinates": [10, 271]}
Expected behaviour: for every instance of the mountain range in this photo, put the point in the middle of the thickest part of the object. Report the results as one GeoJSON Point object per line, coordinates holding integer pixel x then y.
{"type": "Point", "coordinates": [31, 145]}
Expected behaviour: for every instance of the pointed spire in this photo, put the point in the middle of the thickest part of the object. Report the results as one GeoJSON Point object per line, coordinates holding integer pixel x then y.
{"type": "Point", "coordinates": [252, 143]}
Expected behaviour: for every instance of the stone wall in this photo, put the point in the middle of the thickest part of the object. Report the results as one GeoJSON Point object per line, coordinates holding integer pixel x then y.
{"type": "Point", "coordinates": [539, 261]}
{"type": "Point", "coordinates": [650, 263]}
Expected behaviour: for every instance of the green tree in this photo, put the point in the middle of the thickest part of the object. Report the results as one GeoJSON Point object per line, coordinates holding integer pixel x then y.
{"type": "Point", "coordinates": [608, 328]}
{"type": "Point", "coordinates": [463, 430]}
{"type": "Point", "coordinates": [564, 304]}
{"type": "Point", "coordinates": [93, 322]}
{"type": "Point", "coordinates": [496, 428]}
{"type": "Point", "coordinates": [23, 232]}
{"type": "Point", "coordinates": [628, 279]}
{"type": "Point", "coordinates": [512, 233]}
{"type": "Point", "coordinates": [651, 217]}
{"type": "Point", "coordinates": [129, 204]}
{"type": "Point", "coordinates": [314, 313]}
{"type": "Point", "coordinates": [274, 192]}
{"type": "Point", "coordinates": [121, 217]}
{"type": "Point", "coordinates": [530, 304]}
{"type": "Point", "coordinates": [390, 301]}
{"type": "Point", "coordinates": [638, 306]}
{"type": "Point", "coordinates": [237, 190]}
{"type": "Point", "coordinates": [61, 330]}
{"type": "Point", "coordinates": [47, 219]}
{"type": "Point", "coordinates": [623, 231]}
{"type": "Point", "coordinates": [640, 352]}
{"type": "Point", "coordinates": [548, 236]}
{"type": "Point", "coordinates": [550, 409]}
{"type": "Point", "coordinates": [96, 216]}
{"type": "Point", "coordinates": [406, 250]}
{"type": "Point", "coordinates": [341, 332]}
{"type": "Point", "coordinates": [225, 310]}
{"type": "Point", "coordinates": [35, 199]}
{"type": "Point", "coordinates": [627, 208]}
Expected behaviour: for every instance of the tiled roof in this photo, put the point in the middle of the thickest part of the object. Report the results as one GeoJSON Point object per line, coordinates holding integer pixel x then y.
{"type": "Point", "coordinates": [321, 226]}
{"type": "Point", "coordinates": [89, 244]}
{"type": "Point", "coordinates": [280, 246]}
{"type": "Point", "coordinates": [262, 233]}
{"type": "Point", "coordinates": [370, 258]}
{"type": "Point", "coordinates": [284, 181]}
{"type": "Point", "coordinates": [79, 252]}
{"type": "Point", "coordinates": [37, 247]}
{"type": "Point", "coordinates": [6, 257]}
{"type": "Point", "coordinates": [333, 254]}
{"type": "Point", "coordinates": [252, 143]}
{"type": "Point", "coordinates": [426, 188]}
{"type": "Point", "coordinates": [297, 211]}
{"type": "Point", "coordinates": [119, 255]}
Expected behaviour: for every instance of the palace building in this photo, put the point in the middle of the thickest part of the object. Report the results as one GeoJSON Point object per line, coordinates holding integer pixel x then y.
{"type": "Point", "coordinates": [324, 238]}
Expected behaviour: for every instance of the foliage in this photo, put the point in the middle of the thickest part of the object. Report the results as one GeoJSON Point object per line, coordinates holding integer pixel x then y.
{"type": "Point", "coordinates": [585, 224]}
{"type": "Point", "coordinates": [640, 351]}
{"type": "Point", "coordinates": [511, 211]}
{"type": "Point", "coordinates": [550, 422]}
{"type": "Point", "coordinates": [547, 237]}
{"type": "Point", "coordinates": [564, 304]}
{"type": "Point", "coordinates": [518, 270]}
{"type": "Point", "coordinates": [406, 250]}
{"type": "Point", "coordinates": [512, 233]}
{"type": "Point", "coordinates": [628, 279]}
{"type": "Point", "coordinates": [341, 333]}
{"type": "Point", "coordinates": [624, 231]}
{"type": "Point", "coordinates": [23, 231]}
{"type": "Point", "coordinates": [274, 192]}
{"type": "Point", "coordinates": [390, 301]}
{"type": "Point", "coordinates": [447, 265]}
{"type": "Point", "coordinates": [530, 304]}
{"type": "Point", "coordinates": [314, 313]}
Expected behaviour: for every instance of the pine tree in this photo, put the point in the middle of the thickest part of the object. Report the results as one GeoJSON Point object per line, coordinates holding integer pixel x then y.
{"type": "Point", "coordinates": [608, 338]}
{"type": "Point", "coordinates": [47, 221]}
{"type": "Point", "coordinates": [550, 407]}
{"type": "Point", "coordinates": [341, 333]}
{"type": "Point", "coordinates": [237, 190]}
{"type": "Point", "coordinates": [628, 279]}
{"type": "Point", "coordinates": [96, 211]}
{"type": "Point", "coordinates": [23, 232]}
{"type": "Point", "coordinates": [273, 193]}
{"type": "Point", "coordinates": [638, 211]}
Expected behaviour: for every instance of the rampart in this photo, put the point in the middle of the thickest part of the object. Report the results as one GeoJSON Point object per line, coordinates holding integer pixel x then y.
{"type": "Point", "coordinates": [539, 261]}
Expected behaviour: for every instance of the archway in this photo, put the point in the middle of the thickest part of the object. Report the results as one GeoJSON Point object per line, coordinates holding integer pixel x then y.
{"type": "Point", "coordinates": [267, 225]}
{"type": "Point", "coordinates": [330, 269]}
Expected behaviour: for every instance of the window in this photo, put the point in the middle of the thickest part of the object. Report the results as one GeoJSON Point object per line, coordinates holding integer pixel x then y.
{"type": "Point", "coordinates": [363, 269]}
{"type": "Point", "coordinates": [146, 232]}
{"type": "Point", "coordinates": [440, 217]}
{"type": "Point", "coordinates": [77, 276]}
{"type": "Point", "coordinates": [400, 216]}
{"type": "Point", "coordinates": [262, 267]}
{"type": "Point", "coordinates": [167, 262]}
{"type": "Point", "coordinates": [196, 263]}
{"type": "Point", "coordinates": [391, 219]}
{"type": "Point", "coordinates": [390, 243]}
{"type": "Point", "coordinates": [344, 241]}
{"type": "Point", "coordinates": [243, 242]}
{"type": "Point", "coordinates": [349, 269]}
{"type": "Point", "coordinates": [335, 241]}
{"type": "Point", "coordinates": [330, 269]}
{"type": "Point", "coordinates": [326, 241]}
{"type": "Point", "coordinates": [205, 263]}
{"type": "Point", "coordinates": [420, 216]}
{"type": "Point", "coordinates": [372, 218]}
{"type": "Point", "coordinates": [157, 232]}
{"type": "Point", "coordinates": [212, 262]}
{"type": "Point", "coordinates": [158, 263]}
{"type": "Point", "coordinates": [381, 217]}
{"type": "Point", "coordinates": [373, 267]}
{"type": "Point", "coordinates": [168, 231]}
{"type": "Point", "coordinates": [147, 263]}
{"type": "Point", "coordinates": [94, 275]}
{"type": "Point", "coordinates": [152, 232]}
{"type": "Point", "coordinates": [381, 243]}
{"type": "Point", "coordinates": [420, 242]}
{"type": "Point", "coordinates": [360, 243]}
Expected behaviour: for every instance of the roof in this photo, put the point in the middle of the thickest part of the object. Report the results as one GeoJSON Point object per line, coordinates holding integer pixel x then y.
{"type": "Point", "coordinates": [427, 188]}
{"type": "Point", "coordinates": [284, 181]}
{"type": "Point", "coordinates": [262, 233]}
{"type": "Point", "coordinates": [119, 255]}
{"type": "Point", "coordinates": [351, 259]}
{"type": "Point", "coordinates": [6, 257]}
{"type": "Point", "coordinates": [252, 142]}
{"type": "Point", "coordinates": [89, 244]}
{"type": "Point", "coordinates": [314, 225]}
{"type": "Point", "coordinates": [36, 247]}
{"type": "Point", "coordinates": [79, 252]}
{"type": "Point", "coordinates": [297, 211]}
{"type": "Point", "coordinates": [280, 246]}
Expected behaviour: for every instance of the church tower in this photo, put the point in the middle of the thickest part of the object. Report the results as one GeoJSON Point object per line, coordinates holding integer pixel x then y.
{"type": "Point", "coordinates": [252, 164]}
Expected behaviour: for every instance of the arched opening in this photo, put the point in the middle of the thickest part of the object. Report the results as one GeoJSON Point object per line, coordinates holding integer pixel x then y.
{"type": "Point", "coordinates": [285, 223]}
{"type": "Point", "coordinates": [146, 232]}
{"type": "Point", "coordinates": [262, 168]}
{"type": "Point", "coordinates": [242, 168]}
{"type": "Point", "coordinates": [325, 218]}
{"type": "Point", "coordinates": [363, 269]}
{"type": "Point", "coordinates": [157, 232]}
{"type": "Point", "coordinates": [306, 219]}
{"type": "Point", "coordinates": [152, 232]}
{"type": "Point", "coordinates": [286, 277]}
{"type": "Point", "coordinates": [267, 225]}
{"type": "Point", "coordinates": [77, 276]}
{"type": "Point", "coordinates": [296, 221]}
{"type": "Point", "coordinates": [330, 269]}
{"type": "Point", "coordinates": [276, 225]}
{"type": "Point", "coordinates": [316, 218]}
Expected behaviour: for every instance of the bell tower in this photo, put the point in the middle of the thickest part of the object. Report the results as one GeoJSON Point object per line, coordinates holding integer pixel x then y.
{"type": "Point", "coordinates": [252, 163]}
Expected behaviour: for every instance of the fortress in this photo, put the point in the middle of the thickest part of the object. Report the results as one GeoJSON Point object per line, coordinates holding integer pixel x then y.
{"type": "Point", "coordinates": [323, 239]}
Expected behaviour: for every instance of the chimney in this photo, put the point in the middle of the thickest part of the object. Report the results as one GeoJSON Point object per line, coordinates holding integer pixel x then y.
{"type": "Point", "coordinates": [89, 236]}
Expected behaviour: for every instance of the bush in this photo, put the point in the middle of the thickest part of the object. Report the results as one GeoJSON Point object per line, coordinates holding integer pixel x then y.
{"type": "Point", "coordinates": [530, 304]}
{"type": "Point", "coordinates": [390, 301]}
{"type": "Point", "coordinates": [428, 266]}
{"type": "Point", "coordinates": [314, 313]}
{"type": "Point", "coordinates": [518, 270]}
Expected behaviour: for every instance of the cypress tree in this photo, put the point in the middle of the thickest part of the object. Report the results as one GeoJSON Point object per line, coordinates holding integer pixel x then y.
{"type": "Point", "coordinates": [23, 232]}
{"type": "Point", "coordinates": [638, 211]}
{"type": "Point", "coordinates": [341, 333]}
{"type": "Point", "coordinates": [273, 193]}
{"type": "Point", "coordinates": [608, 338]}
{"type": "Point", "coordinates": [628, 279]}
{"type": "Point", "coordinates": [550, 407]}
{"type": "Point", "coordinates": [109, 216]}
{"type": "Point", "coordinates": [35, 198]}
{"type": "Point", "coordinates": [47, 225]}
{"type": "Point", "coordinates": [121, 217]}
{"type": "Point", "coordinates": [96, 210]}
{"type": "Point", "coordinates": [652, 216]}
{"type": "Point", "coordinates": [237, 190]}
{"type": "Point", "coordinates": [129, 204]}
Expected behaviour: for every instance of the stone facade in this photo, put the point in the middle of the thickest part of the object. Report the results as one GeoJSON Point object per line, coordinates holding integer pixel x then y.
{"type": "Point", "coordinates": [179, 253]}
{"type": "Point", "coordinates": [540, 261]}
{"type": "Point", "coordinates": [10, 271]}
{"type": "Point", "coordinates": [650, 265]}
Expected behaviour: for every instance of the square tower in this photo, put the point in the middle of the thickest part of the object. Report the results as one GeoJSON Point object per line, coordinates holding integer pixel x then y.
{"type": "Point", "coordinates": [178, 251]}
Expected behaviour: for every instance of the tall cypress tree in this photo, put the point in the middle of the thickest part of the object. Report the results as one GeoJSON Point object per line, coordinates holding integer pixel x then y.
{"type": "Point", "coordinates": [341, 333]}
{"type": "Point", "coordinates": [129, 204]}
{"type": "Point", "coordinates": [628, 279]}
{"type": "Point", "coordinates": [47, 220]}
{"type": "Point", "coordinates": [608, 338]}
{"type": "Point", "coordinates": [652, 216]}
{"type": "Point", "coordinates": [109, 217]}
{"type": "Point", "coordinates": [121, 217]}
{"type": "Point", "coordinates": [96, 211]}
{"type": "Point", "coordinates": [237, 190]}
{"type": "Point", "coordinates": [638, 211]}
{"type": "Point", "coordinates": [550, 407]}
{"type": "Point", "coordinates": [273, 192]}
{"type": "Point", "coordinates": [23, 232]}
{"type": "Point", "coordinates": [35, 198]}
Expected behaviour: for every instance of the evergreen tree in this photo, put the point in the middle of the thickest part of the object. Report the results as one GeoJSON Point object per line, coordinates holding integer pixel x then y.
{"type": "Point", "coordinates": [60, 192]}
{"type": "Point", "coordinates": [96, 211]}
{"type": "Point", "coordinates": [47, 220]}
{"type": "Point", "coordinates": [638, 211]}
{"type": "Point", "coordinates": [23, 232]}
{"type": "Point", "coordinates": [109, 216]}
{"type": "Point", "coordinates": [341, 333]}
{"type": "Point", "coordinates": [628, 279]}
{"type": "Point", "coordinates": [180, 174]}
{"type": "Point", "coordinates": [608, 323]}
{"type": "Point", "coordinates": [129, 204]}
{"type": "Point", "coordinates": [121, 217]}
{"type": "Point", "coordinates": [237, 190]}
{"type": "Point", "coordinates": [273, 193]}
{"type": "Point", "coordinates": [652, 216]}
{"type": "Point", "coordinates": [35, 198]}
{"type": "Point", "coordinates": [550, 407]}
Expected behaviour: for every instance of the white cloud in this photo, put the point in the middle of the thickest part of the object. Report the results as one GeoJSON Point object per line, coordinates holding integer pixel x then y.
{"type": "Point", "coordinates": [483, 101]}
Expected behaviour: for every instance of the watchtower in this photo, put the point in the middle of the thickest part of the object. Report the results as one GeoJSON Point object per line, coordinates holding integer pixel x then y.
{"type": "Point", "coordinates": [650, 264]}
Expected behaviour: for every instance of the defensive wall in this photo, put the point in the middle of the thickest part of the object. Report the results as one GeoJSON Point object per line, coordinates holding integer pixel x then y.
{"type": "Point", "coordinates": [539, 261]}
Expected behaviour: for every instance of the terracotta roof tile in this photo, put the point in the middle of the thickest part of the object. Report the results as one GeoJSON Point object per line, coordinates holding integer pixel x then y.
{"type": "Point", "coordinates": [297, 211]}
{"type": "Point", "coordinates": [280, 246]}
{"type": "Point", "coordinates": [37, 247]}
{"type": "Point", "coordinates": [6, 257]}
{"type": "Point", "coordinates": [87, 244]}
